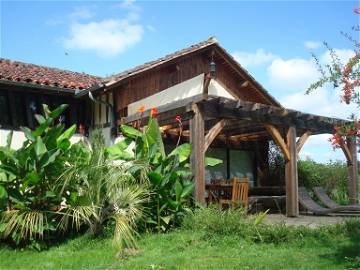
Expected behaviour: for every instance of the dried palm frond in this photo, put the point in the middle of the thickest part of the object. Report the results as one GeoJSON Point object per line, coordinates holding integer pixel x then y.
{"type": "Point", "coordinates": [75, 216]}
{"type": "Point", "coordinates": [26, 224]}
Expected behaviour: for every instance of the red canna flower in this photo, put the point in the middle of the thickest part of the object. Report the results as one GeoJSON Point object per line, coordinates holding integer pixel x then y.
{"type": "Point", "coordinates": [178, 118]}
{"type": "Point", "coordinates": [154, 112]}
{"type": "Point", "coordinates": [81, 129]}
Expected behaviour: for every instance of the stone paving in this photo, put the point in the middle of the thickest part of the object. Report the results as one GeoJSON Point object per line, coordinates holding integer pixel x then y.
{"type": "Point", "coordinates": [306, 220]}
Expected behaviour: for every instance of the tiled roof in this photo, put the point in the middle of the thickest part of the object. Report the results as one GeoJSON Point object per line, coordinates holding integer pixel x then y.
{"type": "Point", "coordinates": [149, 65]}
{"type": "Point", "coordinates": [45, 76]}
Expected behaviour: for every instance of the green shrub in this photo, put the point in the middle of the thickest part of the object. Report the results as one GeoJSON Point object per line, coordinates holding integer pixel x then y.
{"type": "Point", "coordinates": [333, 176]}
{"type": "Point", "coordinates": [30, 200]}
{"type": "Point", "coordinates": [213, 222]}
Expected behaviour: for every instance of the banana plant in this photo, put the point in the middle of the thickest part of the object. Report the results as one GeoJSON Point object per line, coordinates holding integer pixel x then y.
{"type": "Point", "coordinates": [28, 175]}
{"type": "Point", "coordinates": [169, 175]}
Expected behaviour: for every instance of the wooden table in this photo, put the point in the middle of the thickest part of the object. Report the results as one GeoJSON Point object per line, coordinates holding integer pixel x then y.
{"type": "Point", "coordinates": [217, 191]}
{"type": "Point", "coordinates": [224, 190]}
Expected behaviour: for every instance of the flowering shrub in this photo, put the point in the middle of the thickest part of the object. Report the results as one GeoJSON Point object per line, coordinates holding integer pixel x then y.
{"type": "Point", "coordinates": [347, 77]}
{"type": "Point", "coordinates": [342, 132]}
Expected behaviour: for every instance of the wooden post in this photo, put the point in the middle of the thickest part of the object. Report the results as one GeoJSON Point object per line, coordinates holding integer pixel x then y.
{"type": "Point", "coordinates": [353, 172]}
{"type": "Point", "coordinates": [291, 176]}
{"type": "Point", "coordinates": [197, 139]}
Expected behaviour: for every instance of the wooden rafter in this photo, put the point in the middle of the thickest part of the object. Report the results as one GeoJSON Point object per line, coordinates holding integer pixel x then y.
{"type": "Point", "coordinates": [213, 132]}
{"type": "Point", "coordinates": [301, 141]}
{"type": "Point", "coordinates": [275, 134]}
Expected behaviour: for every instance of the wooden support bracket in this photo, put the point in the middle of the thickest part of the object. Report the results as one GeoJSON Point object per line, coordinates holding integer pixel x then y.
{"type": "Point", "coordinates": [301, 141]}
{"type": "Point", "coordinates": [213, 132]}
{"type": "Point", "coordinates": [275, 134]}
{"type": "Point", "coordinates": [347, 153]}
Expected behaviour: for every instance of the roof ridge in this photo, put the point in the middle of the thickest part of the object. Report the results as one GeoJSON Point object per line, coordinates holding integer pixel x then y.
{"type": "Point", "coordinates": [152, 63]}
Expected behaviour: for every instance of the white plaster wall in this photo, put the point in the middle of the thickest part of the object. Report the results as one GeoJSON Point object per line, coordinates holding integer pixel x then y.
{"type": "Point", "coordinates": [18, 138]}
{"type": "Point", "coordinates": [188, 88]}
{"type": "Point", "coordinates": [180, 91]}
{"type": "Point", "coordinates": [216, 89]}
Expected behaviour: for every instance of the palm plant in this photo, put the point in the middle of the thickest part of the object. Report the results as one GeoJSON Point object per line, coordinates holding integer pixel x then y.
{"type": "Point", "coordinates": [106, 191]}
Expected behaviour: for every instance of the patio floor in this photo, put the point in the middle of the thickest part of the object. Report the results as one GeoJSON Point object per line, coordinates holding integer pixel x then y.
{"type": "Point", "coordinates": [306, 220]}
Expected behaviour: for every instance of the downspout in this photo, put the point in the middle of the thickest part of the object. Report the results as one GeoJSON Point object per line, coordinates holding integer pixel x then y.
{"type": "Point", "coordinates": [89, 91]}
{"type": "Point", "coordinates": [111, 108]}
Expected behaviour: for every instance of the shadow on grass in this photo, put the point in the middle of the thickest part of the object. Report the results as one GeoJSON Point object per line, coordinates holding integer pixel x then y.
{"type": "Point", "coordinates": [347, 252]}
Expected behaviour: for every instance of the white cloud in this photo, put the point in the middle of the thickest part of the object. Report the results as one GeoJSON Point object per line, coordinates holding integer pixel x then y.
{"type": "Point", "coordinates": [306, 155]}
{"type": "Point", "coordinates": [247, 59]}
{"type": "Point", "coordinates": [321, 101]}
{"type": "Point", "coordinates": [312, 44]}
{"type": "Point", "coordinates": [108, 37]}
{"type": "Point", "coordinates": [343, 54]}
{"type": "Point", "coordinates": [297, 74]}
{"type": "Point", "coordinates": [293, 74]}
{"type": "Point", "coordinates": [318, 148]}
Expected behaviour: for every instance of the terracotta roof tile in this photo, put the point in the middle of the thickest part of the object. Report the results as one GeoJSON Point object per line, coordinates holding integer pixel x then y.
{"type": "Point", "coordinates": [40, 75]}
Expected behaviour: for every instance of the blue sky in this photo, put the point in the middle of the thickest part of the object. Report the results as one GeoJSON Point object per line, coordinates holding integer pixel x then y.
{"type": "Point", "coordinates": [272, 39]}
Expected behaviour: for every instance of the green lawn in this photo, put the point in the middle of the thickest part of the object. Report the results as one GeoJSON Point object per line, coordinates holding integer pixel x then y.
{"type": "Point", "coordinates": [184, 250]}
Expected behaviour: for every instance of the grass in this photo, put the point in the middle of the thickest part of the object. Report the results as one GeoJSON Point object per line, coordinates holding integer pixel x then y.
{"type": "Point", "coordinates": [186, 249]}
{"type": "Point", "coordinates": [209, 239]}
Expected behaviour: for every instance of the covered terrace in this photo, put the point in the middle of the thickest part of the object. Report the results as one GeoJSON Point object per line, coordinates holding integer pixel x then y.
{"type": "Point", "coordinates": [211, 119]}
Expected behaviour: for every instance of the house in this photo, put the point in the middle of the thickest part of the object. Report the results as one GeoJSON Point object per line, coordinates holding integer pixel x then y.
{"type": "Point", "coordinates": [225, 112]}
{"type": "Point", "coordinates": [24, 87]}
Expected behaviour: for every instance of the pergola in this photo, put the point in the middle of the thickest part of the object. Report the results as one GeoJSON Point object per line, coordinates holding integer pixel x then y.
{"type": "Point", "coordinates": [208, 117]}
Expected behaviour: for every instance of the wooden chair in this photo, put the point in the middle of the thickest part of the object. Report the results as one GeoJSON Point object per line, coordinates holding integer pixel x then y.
{"type": "Point", "coordinates": [239, 196]}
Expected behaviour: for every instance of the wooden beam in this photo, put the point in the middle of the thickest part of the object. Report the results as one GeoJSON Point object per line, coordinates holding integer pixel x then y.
{"type": "Point", "coordinates": [353, 172]}
{"type": "Point", "coordinates": [275, 134]}
{"type": "Point", "coordinates": [301, 141]}
{"type": "Point", "coordinates": [265, 114]}
{"type": "Point", "coordinates": [291, 176]}
{"type": "Point", "coordinates": [213, 132]}
{"type": "Point", "coordinates": [207, 79]}
{"type": "Point", "coordinates": [197, 140]}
